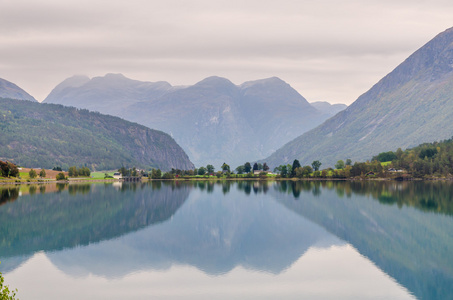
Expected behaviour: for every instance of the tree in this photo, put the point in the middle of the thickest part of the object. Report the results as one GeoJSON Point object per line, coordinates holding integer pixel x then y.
{"type": "Point", "coordinates": [225, 168]}
{"type": "Point", "coordinates": [201, 171]}
{"type": "Point", "coordinates": [429, 152]}
{"type": "Point", "coordinates": [296, 164]}
{"type": "Point", "coordinates": [5, 169]}
{"type": "Point", "coordinates": [284, 171]}
{"type": "Point", "coordinates": [72, 172]}
{"type": "Point", "coordinates": [13, 170]}
{"type": "Point", "coordinates": [339, 165]}
{"type": "Point", "coordinates": [247, 167]}
{"type": "Point", "coordinates": [168, 175]}
{"type": "Point", "coordinates": [255, 167]}
{"type": "Point", "coordinates": [42, 173]}
{"type": "Point", "coordinates": [156, 174]}
{"type": "Point", "coordinates": [210, 169]}
{"type": "Point", "coordinates": [240, 169]}
{"type": "Point", "coordinates": [260, 166]}
{"type": "Point", "coordinates": [8, 169]}
{"type": "Point", "coordinates": [316, 165]}
{"type": "Point", "coordinates": [32, 173]}
{"type": "Point", "coordinates": [60, 176]}
{"type": "Point", "coordinates": [124, 171]}
{"type": "Point", "coordinates": [265, 167]}
{"type": "Point", "coordinates": [385, 156]}
{"type": "Point", "coordinates": [349, 162]}
{"type": "Point", "coordinates": [303, 171]}
{"type": "Point", "coordinates": [289, 170]}
{"type": "Point", "coordinates": [84, 171]}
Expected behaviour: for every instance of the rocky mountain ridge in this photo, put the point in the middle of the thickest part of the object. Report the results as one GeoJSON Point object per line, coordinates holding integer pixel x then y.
{"type": "Point", "coordinates": [215, 121]}
{"type": "Point", "coordinates": [411, 105]}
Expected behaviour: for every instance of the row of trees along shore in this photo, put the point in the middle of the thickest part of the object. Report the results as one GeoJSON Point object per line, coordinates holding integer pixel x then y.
{"type": "Point", "coordinates": [243, 171]}
{"type": "Point", "coordinates": [428, 160]}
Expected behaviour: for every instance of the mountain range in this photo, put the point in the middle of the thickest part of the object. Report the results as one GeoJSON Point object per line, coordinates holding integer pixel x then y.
{"type": "Point", "coordinates": [411, 105]}
{"type": "Point", "coordinates": [214, 121]}
{"type": "Point", "coordinates": [48, 135]}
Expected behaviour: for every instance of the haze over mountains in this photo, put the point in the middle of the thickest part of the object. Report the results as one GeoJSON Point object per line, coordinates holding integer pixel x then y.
{"type": "Point", "coordinates": [411, 105]}
{"type": "Point", "coordinates": [214, 120]}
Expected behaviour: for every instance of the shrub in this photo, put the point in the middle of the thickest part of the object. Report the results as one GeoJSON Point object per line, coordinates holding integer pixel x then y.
{"type": "Point", "coordinates": [60, 176]}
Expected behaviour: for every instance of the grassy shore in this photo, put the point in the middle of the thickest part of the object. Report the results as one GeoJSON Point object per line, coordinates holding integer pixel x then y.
{"type": "Point", "coordinates": [100, 177]}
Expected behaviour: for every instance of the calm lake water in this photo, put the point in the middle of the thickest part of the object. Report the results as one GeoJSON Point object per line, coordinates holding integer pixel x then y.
{"type": "Point", "coordinates": [229, 240]}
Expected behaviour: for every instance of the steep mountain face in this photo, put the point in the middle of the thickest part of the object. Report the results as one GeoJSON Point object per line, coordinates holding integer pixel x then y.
{"type": "Point", "coordinates": [327, 108]}
{"type": "Point", "coordinates": [47, 135]}
{"type": "Point", "coordinates": [205, 119]}
{"type": "Point", "coordinates": [276, 112]}
{"type": "Point", "coordinates": [411, 105]}
{"type": "Point", "coordinates": [12, 91]}
{"type": "Point", "coordinates": [214, 120]}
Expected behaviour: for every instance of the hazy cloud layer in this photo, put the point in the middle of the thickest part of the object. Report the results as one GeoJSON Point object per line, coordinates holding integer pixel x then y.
{"type": "Point", "coordinates": [327, 50]}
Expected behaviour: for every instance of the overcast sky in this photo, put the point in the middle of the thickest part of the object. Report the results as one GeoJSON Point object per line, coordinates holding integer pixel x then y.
{"type": "Point", "coordinates": [327, 50]}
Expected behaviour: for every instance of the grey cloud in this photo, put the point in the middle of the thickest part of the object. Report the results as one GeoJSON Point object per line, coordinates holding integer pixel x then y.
{"type": "Point", "coordinates": [326, 49]}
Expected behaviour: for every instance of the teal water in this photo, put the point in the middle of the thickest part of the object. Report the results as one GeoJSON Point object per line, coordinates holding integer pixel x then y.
{"type": "Point", "coordinates": [229, 240]}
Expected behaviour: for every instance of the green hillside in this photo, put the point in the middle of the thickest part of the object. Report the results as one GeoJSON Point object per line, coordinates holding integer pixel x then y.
{"type": "Point", "coordinates": [48, 135]}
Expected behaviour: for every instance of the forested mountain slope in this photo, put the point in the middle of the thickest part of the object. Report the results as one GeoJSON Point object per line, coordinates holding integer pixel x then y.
{"type": "Point", "coordinates": [48, 135]}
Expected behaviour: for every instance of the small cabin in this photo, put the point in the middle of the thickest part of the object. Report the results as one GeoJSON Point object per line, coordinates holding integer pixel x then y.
{"type": "Point", "coordinates": [117, 175]}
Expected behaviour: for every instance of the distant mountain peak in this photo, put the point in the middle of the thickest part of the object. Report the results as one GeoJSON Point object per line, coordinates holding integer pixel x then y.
{"type": "Point", "coordinates": [12, 91]}
{"type": "Point", "coordinates": [326, 107]}
{"type": "Point", "coordinates": [74, 81]}
{"type": "Point", "coordinates": [115, 76]}
{"type": "Point", "coordinates": [217, 85]}
{"type": "Point", "coordinates": [215, 81]}
{"type": "Point", "coordinates": [271, 81]}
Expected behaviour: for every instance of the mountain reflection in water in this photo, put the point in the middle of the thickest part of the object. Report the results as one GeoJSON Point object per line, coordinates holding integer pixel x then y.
{"type": "Point", "coordinates": [402, 227]}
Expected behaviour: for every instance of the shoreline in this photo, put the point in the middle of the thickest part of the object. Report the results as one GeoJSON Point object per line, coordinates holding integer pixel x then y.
{"type": "Point", "coordinates": [222, 179]}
